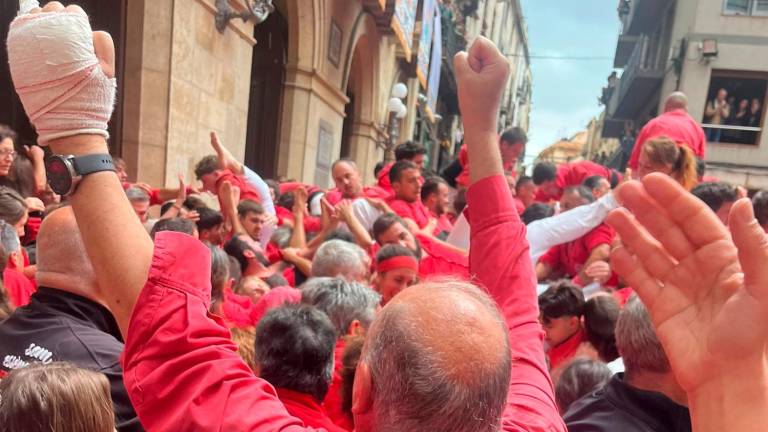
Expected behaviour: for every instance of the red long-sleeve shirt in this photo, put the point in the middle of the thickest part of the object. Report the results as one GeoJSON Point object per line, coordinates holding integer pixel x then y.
{"type": "Point", "coordinates": [182, 370]}
{"type": "Point", "coordinates": [501, 262]}
{"type": "Point", "coordinates": [676, 125]}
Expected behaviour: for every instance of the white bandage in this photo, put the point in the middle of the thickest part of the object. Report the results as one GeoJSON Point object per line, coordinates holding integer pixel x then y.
{"type": "Point", "coordinates": [58, 77]}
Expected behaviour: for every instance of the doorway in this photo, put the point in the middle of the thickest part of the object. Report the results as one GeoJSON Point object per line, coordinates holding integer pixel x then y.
{"type": "Point", "coordinates": [265, 106]}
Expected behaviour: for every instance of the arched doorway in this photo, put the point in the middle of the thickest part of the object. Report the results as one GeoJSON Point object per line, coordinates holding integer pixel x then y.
{"type": "Point", "coordinates": [265, 106]}
{"type": "Point", "coordinates": [106, 15]}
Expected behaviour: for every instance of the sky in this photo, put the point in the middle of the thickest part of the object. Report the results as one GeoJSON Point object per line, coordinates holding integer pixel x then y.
{"type": "Point", "coordinates": [565, 91]}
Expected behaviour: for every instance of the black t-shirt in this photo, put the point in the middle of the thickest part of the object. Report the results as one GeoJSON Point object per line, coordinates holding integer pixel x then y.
{"type": "Point", "coordinates": [60, 326]}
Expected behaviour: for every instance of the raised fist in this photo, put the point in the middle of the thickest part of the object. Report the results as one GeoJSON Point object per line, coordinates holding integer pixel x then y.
{"type": "Point", "coordinates": [62, 71]}
{"type": "Point", "coordinates": [482, 75]}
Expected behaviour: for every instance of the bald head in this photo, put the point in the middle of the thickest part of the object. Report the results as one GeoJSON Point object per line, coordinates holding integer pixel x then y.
{"type": "Point", "coordinates": [62, 262]}
{"type": "Point", "coordinates": [675, 101]}
{"type": "Point", "coordinates": [438, 356]}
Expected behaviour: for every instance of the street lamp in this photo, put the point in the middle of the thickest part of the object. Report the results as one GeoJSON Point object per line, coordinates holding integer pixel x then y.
{"type": "Point", "coordinates": [397, 111]}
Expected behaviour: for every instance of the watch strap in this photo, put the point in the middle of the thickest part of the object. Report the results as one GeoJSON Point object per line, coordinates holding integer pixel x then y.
{"type": "Point", "coordinates": [93, 163]}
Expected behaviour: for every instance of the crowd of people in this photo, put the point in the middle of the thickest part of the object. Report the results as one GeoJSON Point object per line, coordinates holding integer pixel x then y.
{"type": "Point", "coordinates": [479, 299]}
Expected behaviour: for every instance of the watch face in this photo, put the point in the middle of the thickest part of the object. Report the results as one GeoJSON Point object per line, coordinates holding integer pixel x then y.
{"type": "Point", "coordinates": [59, 176]}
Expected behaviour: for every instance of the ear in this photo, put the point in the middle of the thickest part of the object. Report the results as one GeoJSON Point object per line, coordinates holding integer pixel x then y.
{"type": "Point", "coordinates": [362, 398]}
{"type": "Point", "coordinates": [249, 254]}
{"type": "Point", "coordinates": [575, 322]}
{"type": "Point", "coordinates": [355, 329]}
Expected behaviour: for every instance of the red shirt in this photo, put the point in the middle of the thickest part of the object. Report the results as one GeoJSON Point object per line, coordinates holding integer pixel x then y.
{"type": "Point", "coordinates": [18, 287]}
{"type": "Point", "coordinates": [462, 181]}
{"type": "Point", "coordinates": [415, 211]}
{"type": "Point", "coordinates": [306, 408]}
{"type": "Point", "coordinates": [566, 350]}
{"type": "Point", "coordinates": [237, 310]}
{"type": "Point", "coordinates": [569, 258]}
{"type": "Point", "coordinates": [573, 174]}
{"type": "Point", "coordinates": [311, 224]}
{"type": "Point", "coordinates": [247, 192]}
{"type": "Point", "coordinates": [519, 206]}
{"type": "Point", "coordinates": [500, 261]}
{"type": "Point", "coordinates": [444, 223]}
{"type": "Point", "coordinates": [333, 401]}
{"type": "Point", "coordinates": [676, 125]}
{"type": "Point", "coordinates": [441, 261]}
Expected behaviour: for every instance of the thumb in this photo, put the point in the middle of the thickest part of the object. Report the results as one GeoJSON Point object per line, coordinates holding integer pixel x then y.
{"type": "Point", "coordinates": [751, 241]}
{"type": "Point", "coordinates": [104, 47]}
{"type": "Point", "coordinates": [461, 63]}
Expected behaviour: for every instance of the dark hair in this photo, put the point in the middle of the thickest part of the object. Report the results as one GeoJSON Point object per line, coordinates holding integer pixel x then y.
{"type": "Point", "coordinates": [294, 349]}
{"type": "Point", "coordinates": [377, 169]}
{"type": "Point", "coordinates": [580, 378]}
{"type": "Point", "coordinates": [562, 298]}
{"type": "Point", "coordinates": [760, 206]}
{"type": "Point", "coordinates": [181, 225]}
{"type": "Point", "coordinates": [166, 206]}
{"type": "Point", "coordinates": [237, 248]}
{"type": "Point", "coordinates": [460, 201]}
{"type": "Point", "coordinates": [209, 219]}
{"type": "Point", "coordinates": [592, 182]}
{"type": "Point", "coordinates": [207, 165]}
{"type": "Point", "coordinates": [583, 191]}
{"type": "Point", "coordinates": [431, 186]}
{"type": "Point", "coordinates": [385, 222]}
{"type": "Point", "coordinates": [545, 171]}
{"type": "Point", "coordinates": [600, 316]}
{"type": "Point", "coordinates": [398, 168]}
{"type": "Point", "coordinates": [514, 136]}
{"type": "Point", "coordinates": [249, 206]}
{"type": "Point", "coordinates": [522, 181]}
{"type": "Point", "coordinates": [393, 250]}
{"type": "Point", "coordinates": [285, 200]}
{"type": "Point", "coordinates": [715, 194]}
{"type": "Point", "coordinates": [537, 211]}
{"type": "Point", "coordinates": [194, 203]}
{"type": "Point", "coordinates": [701, 167]}
{"type": "Point", "coordinates": [6, 132]}
{"type": "Point", "coordinates": [340, 234]}
{"type": "Point", "coordinates": [409, 150]}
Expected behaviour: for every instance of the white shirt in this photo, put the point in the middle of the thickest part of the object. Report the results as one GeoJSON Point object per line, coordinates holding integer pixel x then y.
{"type": "Point", "coordinates": [543, 234]}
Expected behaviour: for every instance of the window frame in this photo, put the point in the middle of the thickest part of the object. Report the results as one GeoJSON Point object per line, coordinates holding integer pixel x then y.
{"type": "Point", "coordinates": [737, 74]}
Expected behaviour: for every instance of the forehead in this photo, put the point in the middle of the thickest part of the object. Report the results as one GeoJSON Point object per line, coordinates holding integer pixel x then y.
{"type": "Point", "coordinates": [343, 168]}
{"type": "Point", "coordinates": [401, 272]}
{"type": "Point", "coordinates": [394, 231]}
{"type": "Point", "coordinates": [6, 143]}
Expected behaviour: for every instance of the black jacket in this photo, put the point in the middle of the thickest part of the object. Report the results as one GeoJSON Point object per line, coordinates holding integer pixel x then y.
{"type": "Point", "coordinates": [619, 407]}
{"type": "Point", "coordinates": [60, 326]}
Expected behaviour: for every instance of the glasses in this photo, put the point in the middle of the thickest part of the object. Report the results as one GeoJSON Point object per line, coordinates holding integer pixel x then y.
{"type": "Point", "coordinates": [8, 153]}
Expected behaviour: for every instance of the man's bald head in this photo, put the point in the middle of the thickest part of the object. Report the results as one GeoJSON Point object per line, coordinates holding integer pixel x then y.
{"type": "Point", "coordinates": [675, 101]}
{"type": "Point", "coordinates": [62, 262]}
{"type": "Point", "coordinates": [438, 356]}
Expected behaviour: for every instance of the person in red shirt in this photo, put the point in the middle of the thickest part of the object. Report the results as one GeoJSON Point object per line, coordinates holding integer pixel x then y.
{"type": "Point", "coordinates": [294, 352]}
{"type": "Point", "coordinates": [18, 287]}
{"type": "Point", "coordinates": [572, 259]}
{"type": "Point", "coordinates": [406, 202]}
{"type": "Point", "coordinates": [525, 192]}
{"type": "Point", "coordinates": [551, 179]}
{"type": "Point", "coordinates": [511, 144]}
{"type": "Point", "coordinates": [409, 151]}
{"type": "Point", "coordinates": [676, 124]}
{"type": "Point", "coordinates": [397, 268]}
{"type": "Point", "coordinates": [436, 197]}
{"type": "Point", "coordinates": [181, 367]}
{"type": "Point", "coordinates": [208, 171]}
{"type": "Point", "coordinates": [436, 258]}
{"type": "Point", "coordinates": [562, 306]}
{"type": "Point", "coordinates": [349, 185]}
{"type": "Point", "coordinates": [352, 308]}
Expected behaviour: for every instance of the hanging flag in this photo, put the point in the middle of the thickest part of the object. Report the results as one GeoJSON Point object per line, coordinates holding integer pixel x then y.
{"type": "Point", "coordinates": [425, 41]}
{"type": "Point", "coordinates": [433, 85]}
{"type": "Point", "coordinates": [404, 23]}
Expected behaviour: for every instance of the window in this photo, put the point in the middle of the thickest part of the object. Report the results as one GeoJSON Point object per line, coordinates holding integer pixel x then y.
{"type": "Point", "coordinates": [734, 109]}
{"type": "Point", "coordinates": [746, 7]}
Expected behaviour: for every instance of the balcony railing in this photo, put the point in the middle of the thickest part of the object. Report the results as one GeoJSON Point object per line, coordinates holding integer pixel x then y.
{"type": "Point", "coordinates": [641, 60]}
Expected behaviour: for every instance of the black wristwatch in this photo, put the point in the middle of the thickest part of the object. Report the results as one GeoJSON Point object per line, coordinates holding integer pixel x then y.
{"type": "Point", "coordinates": [65, 171]}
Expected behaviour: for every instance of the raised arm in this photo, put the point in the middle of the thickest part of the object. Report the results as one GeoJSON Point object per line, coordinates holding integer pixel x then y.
{"type": "Point", "coordinates": [117, 243]}
{"type": "Point", "coordinates": [499, 252]}
{"type": "Point", "coordinates": [706, 290]}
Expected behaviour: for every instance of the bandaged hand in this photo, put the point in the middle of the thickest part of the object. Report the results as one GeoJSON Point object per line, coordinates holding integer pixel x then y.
{"type": "Point", "coordinates": [58, 76]}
